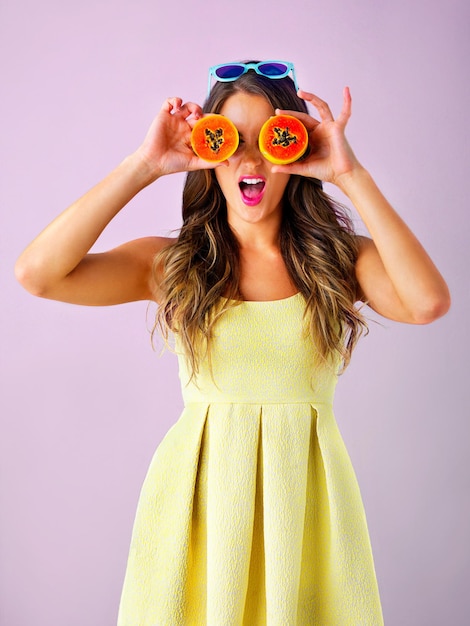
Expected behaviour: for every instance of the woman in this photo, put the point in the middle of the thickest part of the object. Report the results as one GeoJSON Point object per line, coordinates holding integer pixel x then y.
{"type": "Point", "coordinates": [250, 512]}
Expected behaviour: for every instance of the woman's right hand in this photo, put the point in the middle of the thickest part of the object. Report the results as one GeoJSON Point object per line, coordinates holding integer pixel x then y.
{"type": "Point", "coordinates": [58, 265]}
{"type": "Point", "coordinates": [166, 148]}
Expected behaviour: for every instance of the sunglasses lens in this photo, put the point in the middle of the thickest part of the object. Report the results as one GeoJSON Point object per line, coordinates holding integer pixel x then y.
{"type": "Point", "coordinates": [229, 71]}
{"type": "Point", "coordinates": [273, 69]}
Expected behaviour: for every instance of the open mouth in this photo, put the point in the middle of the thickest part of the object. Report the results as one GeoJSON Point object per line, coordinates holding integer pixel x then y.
{"type": "Point", "coordinates": [252, 189]}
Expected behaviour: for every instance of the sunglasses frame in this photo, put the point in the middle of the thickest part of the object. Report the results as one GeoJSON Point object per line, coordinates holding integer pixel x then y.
{"type": "Point", "coordinates": [251, 66]}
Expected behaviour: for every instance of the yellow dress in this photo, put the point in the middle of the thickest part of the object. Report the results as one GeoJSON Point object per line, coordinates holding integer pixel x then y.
{"type": "Point", "coordinates": [250, 513]}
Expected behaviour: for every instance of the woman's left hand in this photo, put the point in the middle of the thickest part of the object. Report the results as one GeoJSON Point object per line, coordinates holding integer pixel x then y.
{"type": "Point", "coordinates": [330, 156]}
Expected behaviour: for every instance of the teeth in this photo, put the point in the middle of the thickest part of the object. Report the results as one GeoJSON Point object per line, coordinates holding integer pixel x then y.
{"type": "Point", "coordinates": [252, 181]}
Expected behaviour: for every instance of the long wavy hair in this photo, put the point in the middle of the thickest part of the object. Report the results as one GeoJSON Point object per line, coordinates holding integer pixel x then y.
{"type": "Point", "coordinates": [201, 269]}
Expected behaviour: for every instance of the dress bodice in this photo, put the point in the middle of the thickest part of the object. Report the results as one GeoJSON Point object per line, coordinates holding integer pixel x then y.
{"type": "Point", "coordinates": [261, 352]}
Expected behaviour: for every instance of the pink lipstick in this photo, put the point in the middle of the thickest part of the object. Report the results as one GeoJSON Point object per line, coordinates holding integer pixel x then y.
{"type": "Point", "coordinates": [252, 189]}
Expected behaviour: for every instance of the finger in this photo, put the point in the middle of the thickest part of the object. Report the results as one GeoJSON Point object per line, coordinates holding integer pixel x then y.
{"type": "Point", "coordinates": [201, 164]}
{"type": "Point", "coordinates": [292, 168]}
{"type": "Point", "coordinates": [171, 104]}
{"type": "Point", "coordinates": [345, 114]}
{"type": "Point", "coordinates": [190, 108]}
{"type": "Point", "coordinates": [321, 106]}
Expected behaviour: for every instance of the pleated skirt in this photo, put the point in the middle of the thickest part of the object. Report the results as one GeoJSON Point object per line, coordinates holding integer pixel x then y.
{"type": "Point", "coordinates": [251, 515]}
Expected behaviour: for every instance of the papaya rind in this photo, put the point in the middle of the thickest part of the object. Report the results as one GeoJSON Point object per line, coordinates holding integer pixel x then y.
{"type": "Point", "coordinates": [198, 141]}
{"type": "Point", "coordinates": [265, 137]}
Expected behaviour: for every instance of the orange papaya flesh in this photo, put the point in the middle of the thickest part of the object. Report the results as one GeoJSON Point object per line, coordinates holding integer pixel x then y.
{"type": "Point", "coordinates": [283, 139]}
{"type": "Point", "coordinates": [214, 138]}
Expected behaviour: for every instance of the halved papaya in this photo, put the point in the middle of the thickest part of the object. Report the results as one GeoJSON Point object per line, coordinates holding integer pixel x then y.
{"type": "Point", "coordinates": [283, 139]}
{"type": "Point", "coordinates": [214, 138]}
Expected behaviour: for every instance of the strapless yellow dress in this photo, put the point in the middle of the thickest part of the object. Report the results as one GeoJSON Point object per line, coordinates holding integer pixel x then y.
{"type": "Point", "coordinates": [250, 513]}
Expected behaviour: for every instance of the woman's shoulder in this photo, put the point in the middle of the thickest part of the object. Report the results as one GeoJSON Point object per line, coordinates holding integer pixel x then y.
{"type": "Point", "coordinates": [148, 247]}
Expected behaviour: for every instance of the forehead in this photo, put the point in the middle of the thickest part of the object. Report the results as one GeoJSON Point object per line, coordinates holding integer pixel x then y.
{"type": "Point", "coordinates": [247, 110]}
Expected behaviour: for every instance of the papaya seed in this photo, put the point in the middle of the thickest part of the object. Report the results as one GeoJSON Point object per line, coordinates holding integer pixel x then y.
{"type": "Point", "coordinates": [214, 140]}
{"type": "Point", "coordinates": [284, 137]}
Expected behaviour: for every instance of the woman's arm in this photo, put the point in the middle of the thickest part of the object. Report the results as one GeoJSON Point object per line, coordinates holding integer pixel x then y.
{"type": "Point", "coordinates": [396, 276]}
{"type": "Point", "coordinates": [58, 265]}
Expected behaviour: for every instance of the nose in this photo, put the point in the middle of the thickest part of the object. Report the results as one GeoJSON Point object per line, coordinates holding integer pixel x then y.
{"type": "Point", "coordinates": [252, 154]}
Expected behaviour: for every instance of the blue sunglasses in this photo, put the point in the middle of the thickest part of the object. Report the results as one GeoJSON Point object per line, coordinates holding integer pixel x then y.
{"type": "Point", "coordinates": [227, 72]}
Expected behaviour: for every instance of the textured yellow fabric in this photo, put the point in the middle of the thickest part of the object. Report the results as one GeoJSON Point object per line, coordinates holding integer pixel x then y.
{"type": "Point", "coordinates": [250, 513]}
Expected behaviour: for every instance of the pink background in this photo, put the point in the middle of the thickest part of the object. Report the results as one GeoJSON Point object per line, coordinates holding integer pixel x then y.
{"type": "Point", "coordinates": [85, 400]}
